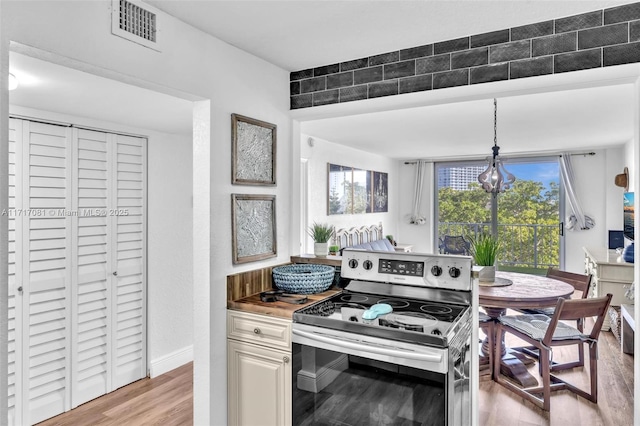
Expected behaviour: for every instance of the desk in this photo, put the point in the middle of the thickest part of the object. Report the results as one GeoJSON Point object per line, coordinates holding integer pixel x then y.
{"type": "Point", "coordinates": [527, 291]}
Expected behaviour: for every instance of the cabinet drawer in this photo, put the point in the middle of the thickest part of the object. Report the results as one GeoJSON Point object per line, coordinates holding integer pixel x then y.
{"type": "Point", "coordinates": [616, 273]}
{"type": "Point", "coordinates": [616, 289]}
{"type": "Point", "coordinates": [260, 329]}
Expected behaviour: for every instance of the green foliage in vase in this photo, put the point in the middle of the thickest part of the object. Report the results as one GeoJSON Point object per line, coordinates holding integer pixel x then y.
{"type": "Point", "coordinates": [334, 249]}
{"type": "Point", "coordinates": [484, 249]}
{"type": "Point", "coordinates": [320, 232]}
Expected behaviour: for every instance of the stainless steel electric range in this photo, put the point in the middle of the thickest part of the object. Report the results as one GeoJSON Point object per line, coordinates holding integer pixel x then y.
{"type": "Point", "coordinates": [392, 348]}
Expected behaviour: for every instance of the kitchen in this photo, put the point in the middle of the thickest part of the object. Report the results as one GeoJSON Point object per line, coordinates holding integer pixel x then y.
{"type": "Point", "coordinates": [229, 93]}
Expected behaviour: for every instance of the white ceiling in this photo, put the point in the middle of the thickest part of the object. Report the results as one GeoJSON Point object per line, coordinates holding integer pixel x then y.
{"type": "Point", "coordinates": [303, 34]}
{"type": "Point", "coordinates": [550, 122]}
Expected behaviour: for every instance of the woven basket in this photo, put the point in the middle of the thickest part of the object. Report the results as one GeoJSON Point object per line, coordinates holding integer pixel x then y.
{"type": "Point", "coordinates": [303, 278]}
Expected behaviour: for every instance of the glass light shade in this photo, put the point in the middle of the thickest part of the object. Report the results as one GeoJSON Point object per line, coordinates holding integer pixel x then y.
{"type": "Point", "coordinates": [496, 178]}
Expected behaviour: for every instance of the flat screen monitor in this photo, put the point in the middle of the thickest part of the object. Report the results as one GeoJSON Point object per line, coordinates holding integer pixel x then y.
{"type": "Point", "coordinates": [629, 215]}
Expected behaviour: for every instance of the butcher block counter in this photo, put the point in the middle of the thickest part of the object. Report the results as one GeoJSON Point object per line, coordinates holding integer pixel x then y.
{"type": "Point", "coordinates": [277, 309]}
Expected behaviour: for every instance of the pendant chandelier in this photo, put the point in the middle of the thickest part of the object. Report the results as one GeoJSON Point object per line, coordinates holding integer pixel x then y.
{"type": "Point", "coordinates": [495, 178]}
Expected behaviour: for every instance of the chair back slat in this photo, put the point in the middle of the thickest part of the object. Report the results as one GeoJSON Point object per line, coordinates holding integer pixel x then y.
{"type": "Point", "coordinates": [573, 309]}
{"type": "Point", "coordinates": [580, 282]}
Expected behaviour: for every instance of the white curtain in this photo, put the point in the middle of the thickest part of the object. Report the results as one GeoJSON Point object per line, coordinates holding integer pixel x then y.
{"type": "Point", "coordinates": [417, 218]}
{"type": "Point", "coordinates": [577, 220]}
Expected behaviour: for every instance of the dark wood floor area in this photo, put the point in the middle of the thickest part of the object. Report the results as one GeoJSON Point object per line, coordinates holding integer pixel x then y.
{"type": "Point", "coordinates": [165, 400]}
{"type": "Point", "coordinates": [168, 399]}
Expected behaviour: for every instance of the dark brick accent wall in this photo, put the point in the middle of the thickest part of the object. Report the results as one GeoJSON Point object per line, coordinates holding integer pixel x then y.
{"type": "Point", "coordinates": [596, 39]}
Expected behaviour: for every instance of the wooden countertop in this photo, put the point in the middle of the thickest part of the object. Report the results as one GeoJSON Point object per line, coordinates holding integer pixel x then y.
{"type": "Point", "coordinates": [310, 258]}
{"type": "Point", "coordinates": [277, 309]}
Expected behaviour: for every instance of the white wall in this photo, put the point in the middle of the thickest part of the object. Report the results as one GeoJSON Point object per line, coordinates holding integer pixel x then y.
{"type": "Point", "coordinates": [194, 66]}
{"type": "Point", "coordinates": [630, 151]}
{"type": "Point", "coordinates": [324, 152]}
{"type": "Point", "coordinates": [600, 199]}
{"type": "Point", "coordinates": [170, 251]}
{"type": "Point", "coordinates": [421, 236]}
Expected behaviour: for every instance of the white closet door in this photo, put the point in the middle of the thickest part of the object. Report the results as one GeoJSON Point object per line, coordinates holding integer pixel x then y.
{"type": "Point", "coordinates": [46, 280]}
{"type": "Point", "coordinates": [91, 298]}
{"type": "Point", "coordinates": [128, 216]}
{"type": "Point", "coordinates": [15, 274]}
{"type": "Point", "coordinates": [77, 248]}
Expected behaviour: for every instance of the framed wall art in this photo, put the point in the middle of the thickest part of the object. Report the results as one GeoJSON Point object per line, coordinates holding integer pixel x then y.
{"type": "Point", "coordinates": [354, 191]}
{"type": "Point", "coordinates": [253, 151]}
{"type": "Point", "coordinates": [253, 227]}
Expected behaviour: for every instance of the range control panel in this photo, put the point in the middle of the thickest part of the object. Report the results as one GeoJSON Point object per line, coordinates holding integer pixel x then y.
{"type": "Point", "coordinates": [417, 269]}
{"type": "Point", "coordinates": [401, 267]}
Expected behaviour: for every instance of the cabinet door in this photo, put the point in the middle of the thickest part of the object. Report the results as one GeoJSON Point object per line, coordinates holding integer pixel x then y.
{"type": "Point", "coordinates": [259, 385]}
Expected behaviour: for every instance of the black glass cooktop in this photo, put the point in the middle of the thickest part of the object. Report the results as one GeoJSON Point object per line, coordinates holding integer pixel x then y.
{"type": "Point", "coordinates": [408, 320]}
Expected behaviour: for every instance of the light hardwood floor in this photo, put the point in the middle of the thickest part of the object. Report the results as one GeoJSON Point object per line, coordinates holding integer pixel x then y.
{"type": "Point", "coordinates": [167, 399]}
{"type": "Point", "coordinates": [499, 406]}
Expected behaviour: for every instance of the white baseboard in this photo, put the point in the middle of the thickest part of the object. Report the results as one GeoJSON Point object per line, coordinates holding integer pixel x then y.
{"type": "Point", "coordinates": [170, 361]}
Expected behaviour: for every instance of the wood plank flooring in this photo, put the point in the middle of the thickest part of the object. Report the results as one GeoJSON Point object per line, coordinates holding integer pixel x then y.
{"type": "Point", "coordinates": [165, 400]}
{"type": "Point", "coordinates": [168, 399]}
{"type": "Point", "coordinates": [499, 406]}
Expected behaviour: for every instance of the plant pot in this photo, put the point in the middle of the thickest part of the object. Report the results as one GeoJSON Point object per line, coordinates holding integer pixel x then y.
{"type": "Point", "coordinates": [321, 249]}
{"type": "Point", "coordinates": [487, 274]}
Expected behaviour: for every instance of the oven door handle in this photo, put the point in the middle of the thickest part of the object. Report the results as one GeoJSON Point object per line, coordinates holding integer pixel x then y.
{"type": "Point", "coordinates": [363, 347]}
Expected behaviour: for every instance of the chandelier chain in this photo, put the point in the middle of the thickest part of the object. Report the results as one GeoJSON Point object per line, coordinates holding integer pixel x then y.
{"type": "Point", "coordinates": [495, 121]}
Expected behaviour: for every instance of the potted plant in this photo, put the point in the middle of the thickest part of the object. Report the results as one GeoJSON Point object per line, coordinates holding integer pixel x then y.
{"type": "Point", "coordinates": [333, 250]}
{"type": "Point", "coordinates": [484, 250]}
{"type": "Point", "coordinates": [321, 234]}
{"type": "Point", "coordinates": [391, 240]}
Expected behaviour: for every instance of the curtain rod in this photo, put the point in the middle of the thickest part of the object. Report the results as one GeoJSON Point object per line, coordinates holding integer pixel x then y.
{"type": "Point", "coordinates": [447, 159]}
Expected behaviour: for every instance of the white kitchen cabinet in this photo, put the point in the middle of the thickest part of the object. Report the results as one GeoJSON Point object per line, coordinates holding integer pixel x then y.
{"type": "Point", "coordinates": [259, 369]}
{"type": "Point", "coordinates": [611, 274]}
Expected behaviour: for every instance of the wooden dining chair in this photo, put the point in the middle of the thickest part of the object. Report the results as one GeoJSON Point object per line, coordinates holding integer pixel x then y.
{"type": "Point", "coordinates": [544, 332]}
{"type": "Point", "coordinates": [581, 283]}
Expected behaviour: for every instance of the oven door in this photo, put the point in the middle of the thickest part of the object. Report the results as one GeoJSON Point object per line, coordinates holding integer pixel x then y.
{"type": "Point", "coordinates": [342, 378]}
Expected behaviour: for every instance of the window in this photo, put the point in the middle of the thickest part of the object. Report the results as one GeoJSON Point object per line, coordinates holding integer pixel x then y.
{"type": "Point", "coordinates": [527, 216]}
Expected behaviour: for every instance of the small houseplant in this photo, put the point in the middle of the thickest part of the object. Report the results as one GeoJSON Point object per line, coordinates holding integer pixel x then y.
{"type": "Point", "coordinates": [333, 250]}
{"type": "Point", "coordinates": [484, 250]}
{"type": "Point", "coordinates": [321, 234]}
{"type": "Point", "coordinates": [391, 240]}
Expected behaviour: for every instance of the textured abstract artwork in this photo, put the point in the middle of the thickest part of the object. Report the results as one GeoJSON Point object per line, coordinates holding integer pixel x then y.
{"type": "Point", "coordinates": [254, 151]}
{"type": "Point", "coordinates": [253, 220]}
{"type": "Point", "coordinates": [380, 192]}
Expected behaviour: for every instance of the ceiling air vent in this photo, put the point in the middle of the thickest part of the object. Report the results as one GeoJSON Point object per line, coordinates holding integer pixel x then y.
{"type": "Point", "coordinates": [135, 21]}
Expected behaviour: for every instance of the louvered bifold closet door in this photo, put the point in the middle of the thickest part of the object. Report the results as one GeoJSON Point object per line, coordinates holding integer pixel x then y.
{"type": "Point", "coordinates": [77, 267]}
{"type": "Point", "coordinates": [91, 297]}
{"type": "Point", "coordinates": [15, 274]}
{"type": "Point", "coordinates": [128, 216]}
{"type": "Point", "coordinates": [44, 198]}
